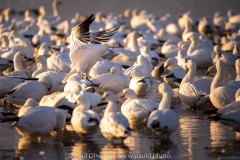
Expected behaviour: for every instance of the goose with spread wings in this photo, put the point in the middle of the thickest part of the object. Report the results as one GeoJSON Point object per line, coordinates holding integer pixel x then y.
{"type": "Point", "coordinates": [87, 47]}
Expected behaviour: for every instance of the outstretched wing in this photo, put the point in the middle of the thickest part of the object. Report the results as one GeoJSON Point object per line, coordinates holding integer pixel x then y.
{"type": "Point", "coordinates": [105, 35]}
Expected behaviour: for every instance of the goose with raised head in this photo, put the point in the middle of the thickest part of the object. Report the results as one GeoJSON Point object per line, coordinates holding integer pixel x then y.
{"type": "Point", "coordinates": [113, 125]}
{"type": "Point", "coordinates": [228, 58]}
{"type": "Point", "coordinates": [84, 120]}
{"type": "Point", "coordinates": [221, 94]}
{"type": "Point", "coordinates": [164, 120]}
{"type": "Point", "coordinates": [83, 55]}
{"type": "Point", "coordinates": [136, 110]}
{"type": "Point", "coordinates": [114, 81]}
{"type": "Point", "coordinates": [19, 71]}
{"type": "Point", "coordinates": [42, 65]}
{"type": "Point", "coordinates": [139, 84]}
{"type": "Point", "coordinates": [193, 93]}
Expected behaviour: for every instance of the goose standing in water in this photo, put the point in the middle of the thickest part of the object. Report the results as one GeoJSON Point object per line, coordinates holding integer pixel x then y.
{"type": "Point", "coordinates": [83, 55]}
{"type": "Point", "coordinates": [164, 120]}
{"type": "Point", "coordinates": [136, 110]}
{"type": "Point", "coordinates": [84, 120]}
{"type": "Point", "coordinates": [113, 125]}
{"type": "Point", "coordinates": [193, 93]}
{"type": "Point", "coordinates": [221, 94]}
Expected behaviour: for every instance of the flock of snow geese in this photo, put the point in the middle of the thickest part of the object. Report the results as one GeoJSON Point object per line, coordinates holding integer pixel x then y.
{"type": "Point", "coordinates": [56, 71]}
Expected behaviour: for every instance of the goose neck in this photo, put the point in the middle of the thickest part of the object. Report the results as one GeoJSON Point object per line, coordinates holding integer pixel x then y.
{"type": "Point", "coordinates": [18, 64]}
{"type": "Point", "coordinates": [219, 78]}
{"type": "Point", "coordinates": [111, 107]}
{"type": "Point", "coordinates": [166, 101]}
{"type": "Point", "coordinates": [134, 44]}
{"type": "Point", "coordinates": [189, 76]}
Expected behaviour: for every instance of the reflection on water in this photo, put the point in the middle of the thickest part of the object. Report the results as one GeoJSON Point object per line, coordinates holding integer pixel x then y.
{"type": "Point", "coordinates": [196, 137]}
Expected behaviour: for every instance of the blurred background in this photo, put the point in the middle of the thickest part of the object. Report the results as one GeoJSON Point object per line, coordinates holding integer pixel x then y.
{"type": "Point", "coordinates": [157, 7]}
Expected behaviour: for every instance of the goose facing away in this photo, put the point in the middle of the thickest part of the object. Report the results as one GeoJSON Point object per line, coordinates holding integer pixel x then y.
{"type": "Point", "coordinates": [84, 120]}
{"type": "Point", "coordinates": [113, 125]}
{"type": "Point", "coordinates": [164, 120]}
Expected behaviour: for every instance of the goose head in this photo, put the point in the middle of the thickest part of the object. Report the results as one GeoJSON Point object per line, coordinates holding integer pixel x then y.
{"type": "Point", "coordinates": [115, 44]}
{"type": "Point", "coordinates": [115, 70]}
{"type": "Point", "coordinates": [83, 102]}
{"type": "Point", "coordinates": [171, 62]}
{"type": "Point", "coordinates": [141, 60]}
{"type": "Point", "coordinates": [191, 64]}
{"type": "Point", "coordinates": [164, 88]}
{"type": "Point", "coordinates": [21, 57]}
{"type": "Point", "coordinates": [128, 93]}
{"type": "Point", "coordinates": [135, 73]}
{"type": "Point", "coordinates": [41, 59]}
{"type": "Point", "coordinates": [109, 96]}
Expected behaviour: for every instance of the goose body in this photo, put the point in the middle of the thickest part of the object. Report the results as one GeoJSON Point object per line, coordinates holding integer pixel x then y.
{"type": "Point", "coordinates": [113, 125]}
{"type": "Point", "coordinates": [221, 94]}
{"type": "Point", "coordinates": [83, 120]}
{"type": "Point", "coordinates": [136, 110]}
{"type": "Point", "coordinates": [192, 93]}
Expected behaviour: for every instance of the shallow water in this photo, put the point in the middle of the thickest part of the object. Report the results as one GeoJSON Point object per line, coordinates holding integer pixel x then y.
{"type": "Point", "coordinates": [196, 138]}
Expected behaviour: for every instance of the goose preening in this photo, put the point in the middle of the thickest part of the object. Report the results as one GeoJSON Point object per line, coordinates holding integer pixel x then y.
{"type": "Point", "coordinates": [164, 120]}
{"type": "Point", "coordinates": [136, 110]}
{"type": "Point", "coordinates": [139, 84]}
{"type": "Point", "coordinates": [113, 125]}
{"type": "Point", "coordinates": [83, 55]}
{"type": "Point", "coordinates": [84, 120]}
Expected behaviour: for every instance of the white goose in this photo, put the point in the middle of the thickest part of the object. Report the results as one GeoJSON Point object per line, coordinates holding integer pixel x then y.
{"type": "Point", "coordinates": [113, 124]}
{"type": "Point", "coordinates": [40, 121]}
{"type": "Point", "coordinates": [164, 120]}
{"type": "Point", "coordinates": [232, 110]}
{"type": "Point", "coordinates": [82, 55]}
{"type": "Point", "coordinates": [200, 52]}
{"type": "Point", "coordinates": [228, 58]}
{"type": "Point", "coordinates": [102, 66]}
{"type": "Point", "coordinates": [42, 65]}
{"type": "Point", "coordinates": [114, 81]}
{"type": "Point", "coordinates": [142, 64]}
{"type": "Point", "coordinates": [136, 110]}
{"type": "Point", "coordinates": [193, 93]}
{"type": "Point", "coordinates": [139, 84]}
{"type": "Point", "coordinates": [29, 89]}
{"type": "Point", "coordinates": [19, 71]}
{"type": "Point", "coordinates": [221, 94]}
{"type": "Point", "coordinates": [83, 120]}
